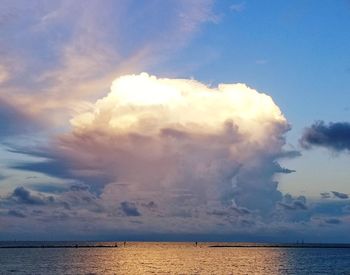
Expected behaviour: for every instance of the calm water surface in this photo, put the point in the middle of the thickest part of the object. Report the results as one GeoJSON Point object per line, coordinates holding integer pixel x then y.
{"type": "Point", "coordinates": [174, 258]}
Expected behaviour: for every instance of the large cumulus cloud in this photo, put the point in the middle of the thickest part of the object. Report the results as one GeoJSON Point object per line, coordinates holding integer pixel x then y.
{"type": "Point", "coordinates": [181, 146]}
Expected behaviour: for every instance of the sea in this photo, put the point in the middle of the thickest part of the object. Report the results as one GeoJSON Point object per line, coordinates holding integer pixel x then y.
{"type": "Point", "coordinates": [171, 258]}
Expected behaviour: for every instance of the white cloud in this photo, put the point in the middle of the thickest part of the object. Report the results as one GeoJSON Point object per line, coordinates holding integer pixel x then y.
{"type": "Point", "coordinates": [145, 104]}
{"type": "Point", "coordinates": [238, 7]}
{"type": "Point", "coordinates": [189, 148]}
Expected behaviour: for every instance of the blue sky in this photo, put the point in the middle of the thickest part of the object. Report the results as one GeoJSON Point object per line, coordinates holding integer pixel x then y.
{"type": "Point", "coordinates": [295, 52]}
{"type": "Point", "coordinates": [58, 58]}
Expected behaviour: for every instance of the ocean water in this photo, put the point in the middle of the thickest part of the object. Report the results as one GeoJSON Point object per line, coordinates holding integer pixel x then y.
{"type": "Point", "coordinates": [170, 258]}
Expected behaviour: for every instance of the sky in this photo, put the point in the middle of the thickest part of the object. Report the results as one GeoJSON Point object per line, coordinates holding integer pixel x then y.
{"type": "Point", "coordinates": [175, 120]}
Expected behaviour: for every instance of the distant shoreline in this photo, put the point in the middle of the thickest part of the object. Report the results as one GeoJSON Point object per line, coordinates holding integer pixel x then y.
{"type": "Point", "coordinates": [282, 246]}
{"type": "Point", "coordinates": [262, 245]}
{"type": "Point", "coordinates": [61, 246]}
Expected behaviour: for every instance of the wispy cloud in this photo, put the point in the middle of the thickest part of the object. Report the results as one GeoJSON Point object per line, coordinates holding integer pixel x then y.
{"type": "Point", "coordinates": [4, 75]}
{"type": "Point", "coordinates": [261, 61]}
{"type": "Point", "coordinates": [84, 45]}
{"type": "Point", "coordinates": [332, 221]}
{"type": "Point", "coordinates": [238, 7]}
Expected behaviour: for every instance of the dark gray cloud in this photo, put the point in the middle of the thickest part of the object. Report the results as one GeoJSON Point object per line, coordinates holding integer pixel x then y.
{"type": "Point", "coordinates": [220, 213]}
{"type": "Point", "coordinates": [300, 205]}
{"type": "Point", "coordinates": [63, 198]}
{"type": "Point", "coordinates": [297, 205]}
{"type": "Point", "coordinates": [23, 196]}
{"type": "Point", "coordinates": [325, 195]}
{"type": "Point", "coordinates": [50, 167]}
{"type": "Point", "coordinates": [48, 188]}
{"type": "Point", "coordinates": [334, 136]}
{"type": "Point", "coordinates": [23, 202]}
{"type": "Point", "coordinates": [289, 154]}
{"type": "Point", "coordinates": [332, 221]}
{"type": "Point", "coordinates": [289, 203]}
{"type": "Point", "coordinates": [340, 195]}
{"type": "Point", "coordinates": [58, 166]}
{"type": "Point", "coordinates": [240, 210]}
{"type": "Point", "coordinates": [129, 209]}
{"type": "Point", "coordinates": [286, 206]}
{"type": "Point", "coordinates": [77, 187]}
{"type": "Point", "coordinates": [16, 213]}
{"type": "Point", "coordinates": [151, 205]}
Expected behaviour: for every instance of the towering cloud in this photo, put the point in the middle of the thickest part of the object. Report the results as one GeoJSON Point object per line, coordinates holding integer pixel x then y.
{"type": "Point", "coordinates": [334, 136]}
{"type": "Point", "coordinates": [185, 147]}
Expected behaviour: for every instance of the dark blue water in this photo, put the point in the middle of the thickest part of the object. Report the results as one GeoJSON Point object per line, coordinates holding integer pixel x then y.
{"type": "Point", "coordinates": [171, 258]}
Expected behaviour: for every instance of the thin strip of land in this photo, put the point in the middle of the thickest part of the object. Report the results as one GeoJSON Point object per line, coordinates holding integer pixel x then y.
{"type": "Point", "coordinates": [284, 246]}
{"type": "Point", "coordinates": [60, 246]}
{"type": "Point", "coordinates": [262, 245]}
